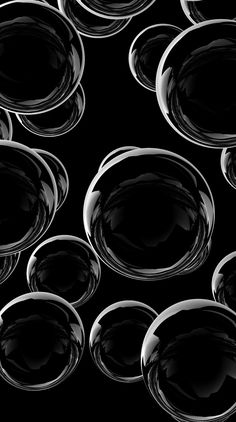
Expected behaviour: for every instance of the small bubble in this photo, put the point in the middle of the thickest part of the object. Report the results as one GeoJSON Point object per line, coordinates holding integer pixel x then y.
{"type": "Point", "coordinates": [116, 338]}
{"type": "Point", "coordinates": [199, 11]}
{"type": "Point", "coordinates": [224, 281]}
{"type": "Point", "coordinates": [116, 9]}
{"type": "Point", "coordinates": [65, 265]}
{"type": "Point", "coordinates": [228, 165]}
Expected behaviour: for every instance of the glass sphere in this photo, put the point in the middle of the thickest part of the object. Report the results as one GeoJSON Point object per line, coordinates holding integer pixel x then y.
{"type": "Point", "coordinates": [189, 361]}
{"type": "Point", "coordinates": [65, 265]}
{"type": "Point", "coordinates": [228, 165]}
{"type": "Point", "coordinates": [196, 85]}
{"type": "Point", "coordinates": [41, 57]}
{"type": "Point", "coordinates": [199, 11]}
{"type": "Point", "coordinates": [41, 341]}
{"type": "Point", "coordinates": [149, 214]}
{"type": "Point", "coordinates": [116, 10]}
{"type": "Point", "coordinates": [224, 281]}
{"type": "Point", "coordinates": [8, 264]}
{"type": "Point", "coordinates": [88, 23]}
{"type": "Point", "coordinates": [146, 51]}
{"type": "Point", "coordinates": [28, 197]}
{"type": "Point", "coordinates": [116, 339]}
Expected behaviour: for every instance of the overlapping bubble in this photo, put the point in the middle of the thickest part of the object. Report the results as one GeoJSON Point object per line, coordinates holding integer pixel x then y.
{"type": "Point", "coordinates": [199, 11]}
{"type": "Point", "coordinates": [116, 10]}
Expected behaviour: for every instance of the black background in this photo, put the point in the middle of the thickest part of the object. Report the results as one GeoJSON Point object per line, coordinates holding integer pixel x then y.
{"type": "Point", "coordinates": [118, 112]}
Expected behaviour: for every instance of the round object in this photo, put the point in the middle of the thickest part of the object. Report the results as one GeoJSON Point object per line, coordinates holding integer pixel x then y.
{"type": "Point", "coordinates": [199, 11]}
{"type": "Point", "coordinates": [189, 361]}
{"type": "Point", "coordinates": [65, 265]}
{"type": "Point", "coordinates": [228, 165]}
{"type": "Point", "coordinates": [196, 86]}
{"type": "Point", "coordinates": [224, 281]}
{"type": "Point", "coordinates": [41, 341]}
{"type": "Point", "coordinates": [116, 10]}
{"type": "Point", "coordinates": [41, 57]}
{"type": "Point", "coordinates": [149, 214]}
{"type": "Point", "coordinates": [116, 339]}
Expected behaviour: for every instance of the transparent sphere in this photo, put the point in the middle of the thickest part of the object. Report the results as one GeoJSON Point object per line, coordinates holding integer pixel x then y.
{"type": "Point", "coordinates": [149, 214]}
{"type": "Point", "coordinates": [224, 281]}
{"type": "Point", "coordinates": [146, 51]}
{"type": "Point", "coordinates": [6, 127]}
{"type": "Point", "coordinates": [28, 197]}
{"type": "Point", "coordinates": [65, 265]}
{"type": "Point", "coordinates": [116, 9]}
{"type": "Point", "coordinates": [196, 85]}
{"type": "Point", "coordinates": [41, 341]}
{"type": "Point", "coordinates": [58, 121]}
{"type": "Point", "coordinates": [8, 264]}
{"type": "Point", "coordinates": [116, 339]}
{"type": "Point", "coordinates": [41, 57]}
{"type": "Point", "coordinates": [199, 11]}
{"type": "Point", "coordinates": [88, 23]}
{"type": "Point", "coordinates": [228, 165]}
{"type": "Point", "coordinates": [188, 361]}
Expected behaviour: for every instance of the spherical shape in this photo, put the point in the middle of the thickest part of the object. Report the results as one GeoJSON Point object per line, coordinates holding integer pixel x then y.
{"type": "Point", "coordinates": [189, 361]}
{"type": "Point", "coordinates": [228, 165]}
{"type": "Point", "coordinates": [149, 214]}
{"type": "Point", "coordinates": [196, 85]}
{"type": "Point", "coordinates": [41, 341]}
{"type": "Point", "coordinates": [224, 281]}
{"type": "Point", "coordinates": [116, 10]}
{"type": "Point", "coordinates": [199, 11]}
{"type": "Point", "coordinates": [116, 338]}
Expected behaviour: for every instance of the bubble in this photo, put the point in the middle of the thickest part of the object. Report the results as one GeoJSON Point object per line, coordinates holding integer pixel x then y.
{"type": "Point", "coordinates": [6, 127]}
{"type": "Point", "coordinates": [89, 24]}
{"type": "Point", "coordinates": [196, 86]}
{"type": "Point", "coordinates": [116, 10]}
{"type": "Point", "coordinates": [41, 342]}
{"type": "Point", "coordinates": [228, 165]}
{"type": "Point", "coordinates": [146, 50]}
{"type": "Point", "coordinates": [41, 57]}
{"type": "Point", "coordinates": [8, 264]}
{"type": "Point", "coordinates": [224, 281]}
{"type": "Point", "coordinates": [149, 214]}
{"type": "Point", "coordinates": [28, 197]}
{"type": "Point", "coordinates": [199, 11]}
{"type": "Point", "coordinates": [188, 361]}
{"type": "Point", "coordinates": [58, 121]}
{"type": "Point", "coordinates": [116, 339]}
{"type": "Point", "coordinates": [65, 265]}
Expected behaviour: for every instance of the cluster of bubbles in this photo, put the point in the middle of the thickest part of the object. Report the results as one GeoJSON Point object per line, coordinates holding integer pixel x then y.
{"type": "Point", "coordinates": [187, 351]}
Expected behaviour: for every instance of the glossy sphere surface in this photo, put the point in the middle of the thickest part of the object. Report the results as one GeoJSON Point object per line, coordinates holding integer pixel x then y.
{"type": "Point", "coordinates": [64, 265]}
{"type": "Point", "coordinates": [146, 50]}
{"type": "Point", "coordinates": [28, 197]}
{"type": "Point", "coordinates": [41, 57]}
{"type": "Point", "coordinates": [58, 121]}
{"type": "Point", "coordinates": [228, 165]}
{"type": "Point", "coordinates": [8, 264]}
{"type": "Point", "coordinates": [149, 214]}
{"type": "Point", "coordinates": [89, 24]}
{"type": "Point", "coordinates": [199, 11]}
{"type": "Point", "coordinates": [42, 341]}
{"type": "Point", "coordinates": [116, 9]}
{"type": "Point", "coordinates": [196, 85]}
{"type": "Point", "coordinates": [116, 338]}
{"type": "Point", "coordinates": [224, 281]}
{"type": "Point", "coordinates": [189, 361]}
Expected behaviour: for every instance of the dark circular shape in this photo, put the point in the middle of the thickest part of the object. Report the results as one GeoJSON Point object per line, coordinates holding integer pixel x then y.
{"type": "Point", "coordinates": [224, 281]}
{"type": "Point", "coordinates": [6, 127]}
{"type": "Point", "coordinates": [65, 265]}
{"type": "Point", "coordinates": [189, 361]}
{"type": "Point", "coordinates": [28, 197]}
{"type": "Point", "coordinates": [228, 165]}
{"type": "Point", "coordinates": [116, 339]}
{"type": "Point", "coordinates": [58, 121]}
{"type": "Point", "coordinates": [41, 57]}
{"type": "Point", "coordinates": [41, 341]}
{"type": "Point", "coordinates": [146, 51]}
{"type": "Point", "coordinates": [89, 24]}
{"type": "Point", "coordinates": [196, 85]}
{"type": "Point", "coordinates": [116, 9]}
{"type": "Point", "coordinates": [8, 264]}
{"type": "Point", "coordinates": [199, 11]}
{"type": "Point", "coordinates": [149, 214]}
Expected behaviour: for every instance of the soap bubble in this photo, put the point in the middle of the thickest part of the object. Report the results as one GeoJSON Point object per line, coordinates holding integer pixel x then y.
{"type": "Point", "coordinates": [28, 197]}
{"type": "Point", "coordinates": [116, 9]}
{"type": "Point", "coordinates": [149, 214]}
{"type": "Point", "coordinates": [146, 51]}
{"type": "Point", "coordinates": [196, 85]}
{"type": "Point", "coordinates": [199, 11]}
{"type": "Point", "coordinates": [8, 264]}
{"type": "Point", "coordinates": [58, 121]}
{"type": "Point", "coordinates": [41, 342]}
{"type": "Point", "coordinates": [224, 281]}
{"type": "Point", "coordinates": [116, 339]}
{"type": "Point", "coordinates": [41, 57]}
{"type": "Point", "coordinates": [89, 24]}
{"type": "Point", "coordinates": [65, 265]}
{"type": "Point", "coordinates": [188, 361]}
{"type": "Point", "coordinates": [228, 165]}
{"type": "Point", "coordinates": [6, 127]}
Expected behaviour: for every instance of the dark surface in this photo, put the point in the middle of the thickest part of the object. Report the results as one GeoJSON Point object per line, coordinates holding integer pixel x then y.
{"type": "Point", "coordinates": [118, 112]}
